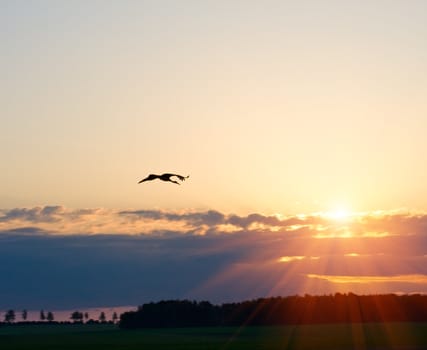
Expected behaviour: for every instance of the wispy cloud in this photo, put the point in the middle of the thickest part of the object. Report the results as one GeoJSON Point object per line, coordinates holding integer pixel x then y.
{"type": "Point", "coordinates": [291, 258]}
{"type": "Point", "coordinates": [414, 278]}
{"type": "Point", "coordinates": [62, 220]}
{"type": "Point", "coordinates": [36, 214]}
{"type": "Point", "coordinates": [286, 259]}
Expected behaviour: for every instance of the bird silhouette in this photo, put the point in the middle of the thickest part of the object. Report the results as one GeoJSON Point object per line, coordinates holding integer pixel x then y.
{"type": "Point", "coordinates": [165, 177]}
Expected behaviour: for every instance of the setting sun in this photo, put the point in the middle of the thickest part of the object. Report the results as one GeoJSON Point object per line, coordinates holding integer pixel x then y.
{"type": "Point", "coordinates": [339, 214]}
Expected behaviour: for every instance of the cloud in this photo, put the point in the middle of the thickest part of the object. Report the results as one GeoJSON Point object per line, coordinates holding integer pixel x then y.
{"type": "Point", "coordinates": [25, 230]}
{"type": "Point", "coordinates": [36, 214]}
{"type": "Point", "coordinates": [69, 271]}
{"type": "Point", "coordinates": [207, 218]}
{"type": "Point", "coordinates": [387, 227]}
{"type": "Point", "coordinates": [286, 259]}
{"type": "Point", "coordinates": [62, 257]}
{"type": "Point", "coordinates": [416, 279]}
{"type": "Point", "coordinates": [247, 221]}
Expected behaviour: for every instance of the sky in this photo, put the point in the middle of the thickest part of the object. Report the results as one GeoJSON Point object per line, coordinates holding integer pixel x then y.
{"type": "Point", "coordinates": [283, 113]}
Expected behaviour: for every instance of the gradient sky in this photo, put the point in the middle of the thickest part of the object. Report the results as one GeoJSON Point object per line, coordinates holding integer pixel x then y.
{"type": "Point", "coordinates": [271, 107]}
{"type": "Point", "coordinates": [278, 106]}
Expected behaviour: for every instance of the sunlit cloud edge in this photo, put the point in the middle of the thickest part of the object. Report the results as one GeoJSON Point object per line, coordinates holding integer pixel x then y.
{"type": "Point", "coordinates": [339, 279]}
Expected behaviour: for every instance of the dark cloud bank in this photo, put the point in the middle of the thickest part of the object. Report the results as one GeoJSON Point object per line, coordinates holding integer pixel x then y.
{"type": "Point", "coordinates": [41, 269]}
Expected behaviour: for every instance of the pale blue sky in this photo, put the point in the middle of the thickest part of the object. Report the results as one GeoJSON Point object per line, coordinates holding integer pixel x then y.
{"type": "Point", "coordinates": [273, 106]}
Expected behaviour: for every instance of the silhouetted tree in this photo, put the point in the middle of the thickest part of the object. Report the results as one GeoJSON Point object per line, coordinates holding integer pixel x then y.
{"type": "Point", "coordinates": [77, 316]}
{"type": "Point", "coordinates": [9, 316]}
{"type": "Point", "coordinates": [115, 317]}
{"type": "Point", "coordinates": [102, 317]}
{"type": "Point", "coordinates": [86, 315]}
{"type": "Point", "coordinates": [50, 316]}
{"type": "Point", "coordinates": [42, 315]}
{"type": "Point", "coordinates": [24, 315]}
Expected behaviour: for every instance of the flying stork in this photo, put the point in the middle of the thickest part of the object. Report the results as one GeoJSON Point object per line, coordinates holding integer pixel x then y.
{"type": "Point", "coordinates": [165, 177]}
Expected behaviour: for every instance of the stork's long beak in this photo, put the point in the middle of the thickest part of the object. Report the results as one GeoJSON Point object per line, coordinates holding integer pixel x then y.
{"type": "Point", "coordinates": [142, 180]}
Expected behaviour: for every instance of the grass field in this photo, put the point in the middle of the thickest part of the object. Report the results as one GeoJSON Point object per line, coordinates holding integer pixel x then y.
{"type": "Point", "coordinates": [396, 336]}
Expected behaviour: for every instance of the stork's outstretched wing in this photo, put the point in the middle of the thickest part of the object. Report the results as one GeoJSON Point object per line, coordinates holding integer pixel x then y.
{"type": "Point", "coordinates": [180, 177]}
{"type": "Point", "coordinates": [149, 178]}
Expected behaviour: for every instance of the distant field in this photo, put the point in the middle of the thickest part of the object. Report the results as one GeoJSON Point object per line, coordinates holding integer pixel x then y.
{"type": "Point", "coordinates": [396, 336]}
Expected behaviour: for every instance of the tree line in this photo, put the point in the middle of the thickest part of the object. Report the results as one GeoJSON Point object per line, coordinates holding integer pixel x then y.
{"type": "Point", "coordinates": [49, 317]}
{"type": "Point", "coordinates": [307, 309]}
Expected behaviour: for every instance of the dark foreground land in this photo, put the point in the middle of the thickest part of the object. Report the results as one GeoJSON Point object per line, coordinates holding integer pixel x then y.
{"type": "Point", "coordinates": [363, 336]}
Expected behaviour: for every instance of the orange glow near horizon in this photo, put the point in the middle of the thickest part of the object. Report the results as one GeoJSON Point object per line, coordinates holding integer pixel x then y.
{"type": "Point", "coordinates": [290, 258]}
{"type": "Point", "coordinates": [285, 259]}
{"type": "Point", "coordinates": [412, 278]}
